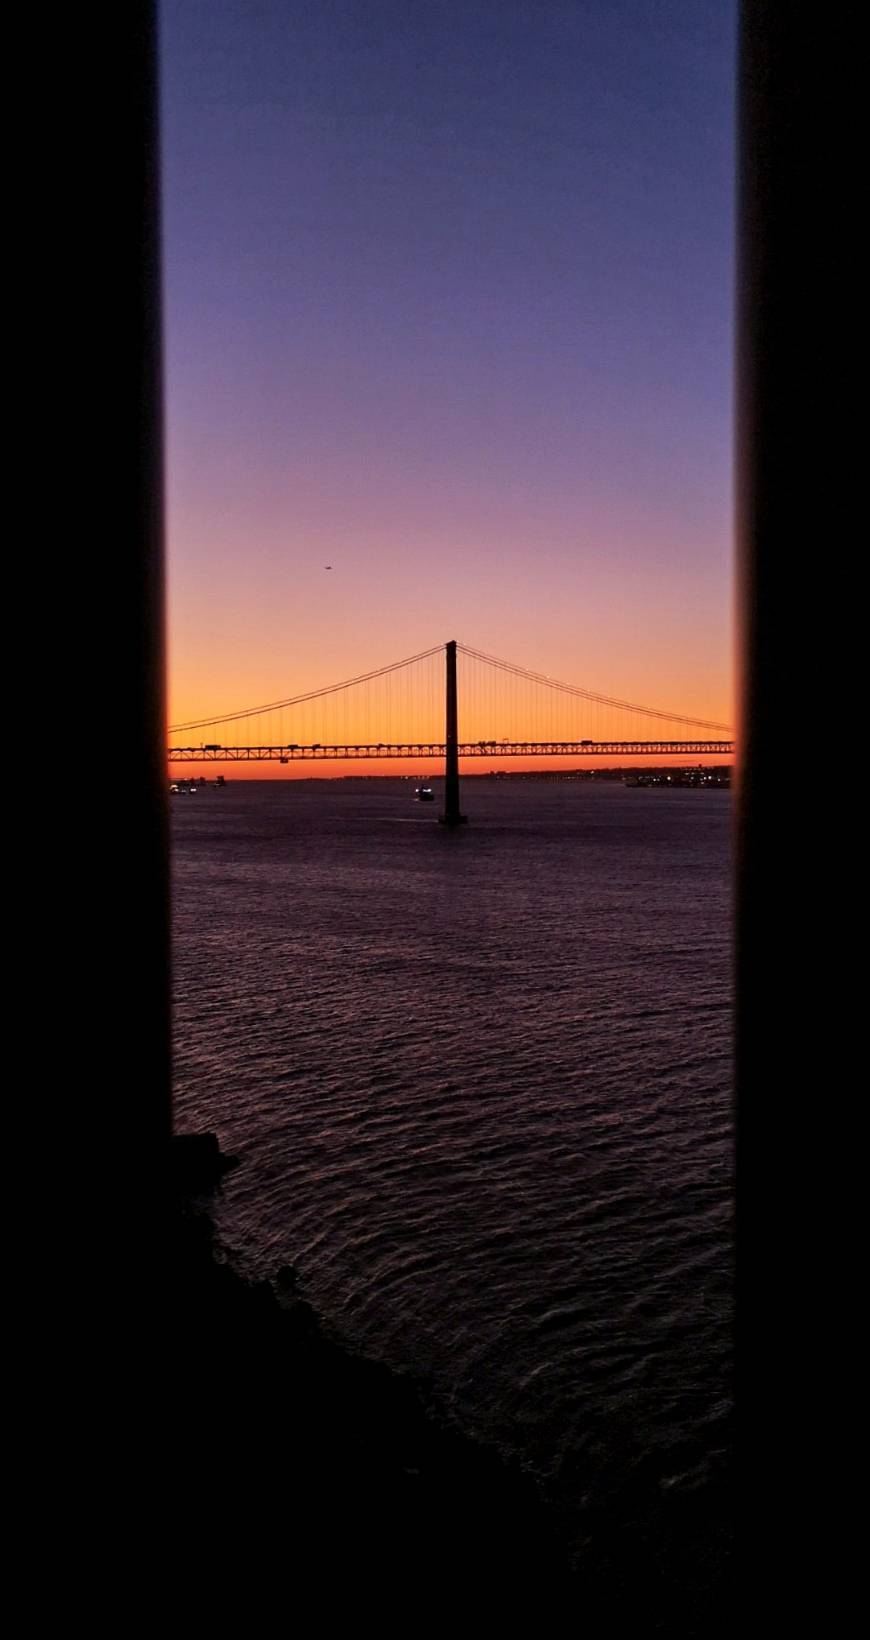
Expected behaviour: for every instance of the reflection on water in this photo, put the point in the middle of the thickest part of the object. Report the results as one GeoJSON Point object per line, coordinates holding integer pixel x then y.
{"type": "Point", "coordinates": [480, 1084]}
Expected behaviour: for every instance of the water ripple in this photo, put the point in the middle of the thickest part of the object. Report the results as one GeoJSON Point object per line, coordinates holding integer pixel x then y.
{"type": "Point", "coordinates": [480, 1086]}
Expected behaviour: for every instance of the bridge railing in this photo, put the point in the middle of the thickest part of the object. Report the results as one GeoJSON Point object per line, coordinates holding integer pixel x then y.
{"type": "Point", "coordinates": [381, 750]}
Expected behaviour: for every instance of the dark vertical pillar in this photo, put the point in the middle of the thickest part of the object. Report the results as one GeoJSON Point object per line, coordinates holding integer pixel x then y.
{"type": "Point", "coordinates": [451, 815]}
{"type": "Point", "coordinates": [118, 967]}
{"type": "Point", "coordinates": [147, 1003]}
{"type": "Point", "coordinates": [791, 593]}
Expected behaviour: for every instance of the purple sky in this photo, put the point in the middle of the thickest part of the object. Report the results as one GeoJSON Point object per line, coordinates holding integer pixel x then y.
{"type": "Point", "coordinates": [449, 306]}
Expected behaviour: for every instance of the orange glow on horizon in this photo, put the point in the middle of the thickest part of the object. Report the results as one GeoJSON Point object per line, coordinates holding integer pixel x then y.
{"type": "Point", "coordinates": [429, 770]}
{"type": "Point", "coordinates": [407, 705]}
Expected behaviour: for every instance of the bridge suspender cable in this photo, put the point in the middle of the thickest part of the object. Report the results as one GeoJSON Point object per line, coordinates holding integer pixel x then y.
{"type": "Point", "coordinates": [587, 694]}
{"type": "Point", "coordinates": [508, 667]}
{"type": "Point", "coordinates": [313, 694]}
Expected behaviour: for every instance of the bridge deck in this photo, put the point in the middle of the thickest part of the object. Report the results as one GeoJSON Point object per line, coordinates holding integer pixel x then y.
{"type": "Point", "coordinates": [433, 749]}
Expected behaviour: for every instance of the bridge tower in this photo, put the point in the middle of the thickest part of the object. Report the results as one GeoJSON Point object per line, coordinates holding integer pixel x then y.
{"type": "Point", "coordinates": [451, 815]}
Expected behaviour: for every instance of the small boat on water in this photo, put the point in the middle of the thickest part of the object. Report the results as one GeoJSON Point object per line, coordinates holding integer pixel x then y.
{"type": "Point", "coordinates": [424, 794]}
{"type": "Point", "coordinates": [189, 788]}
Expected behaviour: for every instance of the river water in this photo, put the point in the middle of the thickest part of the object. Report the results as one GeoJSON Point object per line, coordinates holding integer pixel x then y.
{"type": "Point", "coordinates": [480, 1084]}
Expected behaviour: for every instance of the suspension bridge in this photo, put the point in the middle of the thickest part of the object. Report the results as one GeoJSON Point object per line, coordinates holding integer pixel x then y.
{"type": "Point", "coordinates": [410, 710]}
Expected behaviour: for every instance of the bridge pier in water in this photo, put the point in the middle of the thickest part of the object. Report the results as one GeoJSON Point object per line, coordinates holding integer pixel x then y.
{"type": "Point", "coordinates": [451, 815]}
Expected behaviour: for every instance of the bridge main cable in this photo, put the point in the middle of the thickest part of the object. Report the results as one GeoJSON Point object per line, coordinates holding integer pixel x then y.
{"type": "Point", "coordinates": [590, 694]}
{"type": "Point", "coordinates": [299, 700]}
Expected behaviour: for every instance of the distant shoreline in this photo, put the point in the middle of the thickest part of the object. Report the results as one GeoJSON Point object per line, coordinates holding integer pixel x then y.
{"type": "Point", "coordinates": [662, 772]}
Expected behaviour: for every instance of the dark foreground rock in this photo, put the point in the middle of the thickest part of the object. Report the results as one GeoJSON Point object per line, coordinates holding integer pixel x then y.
{"type": "Point", "coordinates": [297, 1469]}
{"type": "Point", "coordinates": [196, 1166]}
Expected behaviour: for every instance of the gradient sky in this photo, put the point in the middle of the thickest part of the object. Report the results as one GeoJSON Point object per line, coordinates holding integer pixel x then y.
{"type": "Point", "coordinates": [449, 307]}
